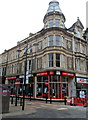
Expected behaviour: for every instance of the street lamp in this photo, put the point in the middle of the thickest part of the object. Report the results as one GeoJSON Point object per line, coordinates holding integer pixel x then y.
{"type": "Point", "coordinates": [25, 69]}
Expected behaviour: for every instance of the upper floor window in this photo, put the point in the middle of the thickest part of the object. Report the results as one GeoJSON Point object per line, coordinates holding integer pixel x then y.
{"type": "Point", "coordinates": [40, 45]}
{"type": "Point", "coordinates": [57, 22]}
{"type": "Point", "coordinates": [30, 48]}
{"type": "Point", "coordinates": [39, 63]}
{"type": "Point", "coordinates": [30, 65]}
{"type": "Point", "coordinates": [50, 40]}
{"type": "Point", "coordinates": [78, 34]}
{"type": "Point", "coordinates": [76, 46]}
{"type": "Point", "coordinates": [63, 41]}
{"type": "Point", "coordinates": [83, 49]}
{"type": "Point", "coordinates": [69, 45]}
{"type": "Point", "coordinates": [45, 61]}
{"type": "Point", "coordinates": [45, 42]}
{"type": "Point", "coordinates": [50, 23]}
{"type": "Point", "coordinates": [51, 60]}
{"type": "Point", "coordinates": [57, 60]}
{"type": "Point", "coordinates": [57, 40]}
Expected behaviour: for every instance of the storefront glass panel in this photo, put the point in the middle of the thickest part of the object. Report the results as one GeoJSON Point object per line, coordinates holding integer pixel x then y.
{"type": "Point", "coordinates": [81, 91]}
{"type": "Point", "coordinates": [51, 85]}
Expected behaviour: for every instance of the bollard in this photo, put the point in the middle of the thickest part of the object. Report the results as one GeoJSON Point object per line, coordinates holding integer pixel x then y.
{"type": "Point", "coordinates": [30, 97]}
{"type": "Point", "coordinates": [46, 98]}
{"type": "Point", "coordinates": [50, 100]}
{"type": "Point", "coordinates": [20, 101]}
{"type": "Point", "coordinates": [12, 100]}
{"type": "Point", "coordinates": [16, 101]}
{"type": "Point", "coordinates": [65, 100]}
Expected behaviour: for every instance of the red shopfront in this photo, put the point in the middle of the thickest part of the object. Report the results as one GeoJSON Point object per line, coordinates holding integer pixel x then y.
{"type": "Point", "coordinates": [52, 84]}
{"type": "Point", "coordinates": [11, 82]}
{"type": "Point", "coordinates": [81, 92]}
{"type": "Point", "coordinates": [81, 87]}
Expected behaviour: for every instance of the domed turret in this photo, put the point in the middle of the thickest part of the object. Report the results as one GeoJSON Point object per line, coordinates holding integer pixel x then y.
{"type": "Point", "coordinates": [54, 16]}
{"type": "Point", "coordinates": [54, 7]}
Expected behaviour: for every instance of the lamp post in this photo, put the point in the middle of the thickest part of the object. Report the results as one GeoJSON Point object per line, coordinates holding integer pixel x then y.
{"type": "Point", "coordinates": [25, 69]}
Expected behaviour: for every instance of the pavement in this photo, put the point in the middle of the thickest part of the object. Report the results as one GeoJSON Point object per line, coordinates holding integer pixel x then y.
{"type": "Point", "coordinates": [31, 107]}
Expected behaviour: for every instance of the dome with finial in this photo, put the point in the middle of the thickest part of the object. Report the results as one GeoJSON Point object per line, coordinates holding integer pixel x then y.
{"type": "Point", "coordinates": [54, 16]}
{"type": "Point", "coordinates": [54, 7]}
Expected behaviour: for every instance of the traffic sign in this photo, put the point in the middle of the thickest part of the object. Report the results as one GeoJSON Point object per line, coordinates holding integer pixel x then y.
{"type": "Point", "coordinates": [17, 83]}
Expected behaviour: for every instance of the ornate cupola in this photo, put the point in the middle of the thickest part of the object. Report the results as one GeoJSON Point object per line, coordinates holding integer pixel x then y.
{"type": "Point", "coordinates": [54, 16]}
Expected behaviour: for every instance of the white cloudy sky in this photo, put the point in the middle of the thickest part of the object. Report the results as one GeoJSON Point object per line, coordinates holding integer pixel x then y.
{"type": "Point", "coordinates": [20, 17]}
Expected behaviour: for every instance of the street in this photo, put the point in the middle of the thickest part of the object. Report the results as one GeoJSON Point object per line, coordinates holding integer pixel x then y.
{"type": "Point", "coordinates": [40, 109]}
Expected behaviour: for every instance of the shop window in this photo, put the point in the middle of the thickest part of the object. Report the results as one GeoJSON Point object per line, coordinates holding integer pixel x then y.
{"type": "Point", "coordinates": [51, 60]}
{"type": "Point", "coordinates": [39, 90]}
{"type": "Point", "coordinates": [45, 78]}
{"type": "Point", "coordinates": [53, 78]}
{"type": "Point", "coordinates": [31, 80]}
{"type": "Point", "coordinates": [57, 60]}
{"type": "Point", "coordinates": [51, 41]}
{"type": "Point", "coordinates": [39, 79]}
{"type": "Point", "coordinates": [45, 90]}
{"type": "Point", "coordinates": [57, 40]}
{"type": "Point", "coordinates": [65, 79]}
{"type": "Point", "coordinates": [64, 89]}
{"type": "Point", "coordinates": [81, 91]}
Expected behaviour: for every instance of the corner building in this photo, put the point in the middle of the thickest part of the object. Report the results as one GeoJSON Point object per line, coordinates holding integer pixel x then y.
{"type": "Point", "coordinates": [56, 59]}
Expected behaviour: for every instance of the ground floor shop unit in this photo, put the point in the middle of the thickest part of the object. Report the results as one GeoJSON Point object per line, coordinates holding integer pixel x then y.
{"type": "Point", "coordinates": [55, 84]}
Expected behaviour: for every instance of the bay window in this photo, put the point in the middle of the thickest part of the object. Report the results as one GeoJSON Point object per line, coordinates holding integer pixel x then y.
{"type": "Point", "coordinates": [51, 60]}
{"type": "Point", "coordinates": [51, 40]}
{"type": "Point", "coordinates": [57, 60]}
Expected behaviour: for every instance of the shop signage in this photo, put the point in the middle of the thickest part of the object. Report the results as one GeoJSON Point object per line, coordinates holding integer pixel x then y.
{"type": "Point", "coordinates": [82, 81]}
{"type": "Point", "coordinates": [4, 93]}
{"type": "Point", "coordinates": [51, 73]}
{"type": "Point", "coordinates": [42, 74]}
{"type": "Point", "coordinates": [10, 78]}
{"type": "Point", "coordinates": [17, 83]}
{"type": "Point", "coordinates": [57, 72]}
{"type": "Point", "coordinates": [68, 74]}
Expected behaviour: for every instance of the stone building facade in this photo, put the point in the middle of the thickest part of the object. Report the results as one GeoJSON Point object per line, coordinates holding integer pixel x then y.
{"type": "Point", "coordinates": [57, 59]}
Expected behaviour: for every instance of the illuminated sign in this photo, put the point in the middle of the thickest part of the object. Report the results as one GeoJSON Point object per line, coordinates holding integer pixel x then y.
{"type": "Point", "coordinates": [82, 81]}
{"type": "Point", "coordinates": [42, 74]}
{"type": "Point", "coordinates": [68, 74]}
